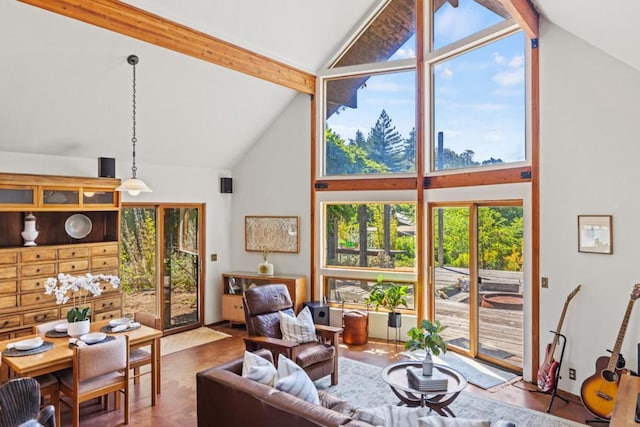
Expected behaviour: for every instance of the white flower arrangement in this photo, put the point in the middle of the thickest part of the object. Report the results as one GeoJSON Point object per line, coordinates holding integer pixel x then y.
{"type": "Point", "coordinates": [80, 287]}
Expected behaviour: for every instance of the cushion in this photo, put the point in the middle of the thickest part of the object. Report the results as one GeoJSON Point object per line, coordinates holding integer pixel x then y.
{"type": "Point", "coordinates": [438, 421]}
{"type": "Point", "coordinates": [391, 415]}
{"type": "Point", "coordinates": [294, 380]}
{"type": "Point", "coordinates": [333, 402]}
{"type": "Point", "coordinates": [258, 369]}
{"type": "Point", "coordinates": [300, 329]}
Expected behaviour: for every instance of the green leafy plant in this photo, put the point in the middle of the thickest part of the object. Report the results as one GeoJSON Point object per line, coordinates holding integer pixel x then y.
{"type": "Point", "coordinates": [427, 337]}
{"type": "Point", "coordinates": [388, 295]}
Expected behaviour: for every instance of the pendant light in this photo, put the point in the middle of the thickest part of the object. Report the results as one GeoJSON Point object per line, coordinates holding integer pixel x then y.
{"type": "Point", "coordinates": [133, 185]}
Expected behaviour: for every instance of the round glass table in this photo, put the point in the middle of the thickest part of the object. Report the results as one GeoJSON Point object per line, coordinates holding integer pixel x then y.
{"type": "Point", "coordinates": [396, 376]}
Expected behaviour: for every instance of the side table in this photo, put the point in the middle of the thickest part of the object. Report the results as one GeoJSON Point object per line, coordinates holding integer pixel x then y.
{"type": "Point", "coordinates": [396, 376]}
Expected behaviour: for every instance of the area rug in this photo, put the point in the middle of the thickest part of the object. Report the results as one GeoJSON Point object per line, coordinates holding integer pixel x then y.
{"type": "Point", "coordinates": [361, 384]}
{"type": "Point", "coordinates": [184, 340]}
{"type": "Point", "coordinates": [476, 372]}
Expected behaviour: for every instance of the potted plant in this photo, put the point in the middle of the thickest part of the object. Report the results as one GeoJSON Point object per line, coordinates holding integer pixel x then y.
{"type": "Point", "coordinates": [427, 337]}
{"type": "Point", "coordinates": [79, 287]}
{"type": "Point", "coordinates": [390, 296]}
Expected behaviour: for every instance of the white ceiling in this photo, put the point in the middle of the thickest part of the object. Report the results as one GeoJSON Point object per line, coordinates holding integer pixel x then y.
{"type": "Point", "coordinates": [608, 25]}
{"type": "Point", "coordinates": [66, 86]}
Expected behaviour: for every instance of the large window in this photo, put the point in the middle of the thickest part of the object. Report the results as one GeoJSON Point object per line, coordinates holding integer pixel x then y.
{"type": "Point", "coordinates": [479, 106]}
{"type": "Point", "coordinates": [370, 126]}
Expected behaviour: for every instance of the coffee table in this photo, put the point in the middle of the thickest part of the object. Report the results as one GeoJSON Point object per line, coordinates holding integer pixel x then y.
{"type": "Point", "coordinates": [396, 376]}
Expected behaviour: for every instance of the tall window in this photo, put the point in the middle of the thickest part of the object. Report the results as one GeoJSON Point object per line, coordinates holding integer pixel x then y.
{"type": "Point", "coordinates": [370, 126]}
{"type": "Point", "coordinates": [479, 106]}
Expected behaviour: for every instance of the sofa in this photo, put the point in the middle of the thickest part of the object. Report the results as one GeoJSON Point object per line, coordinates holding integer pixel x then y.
{"type": "Point", "coordinates": [226, 398]}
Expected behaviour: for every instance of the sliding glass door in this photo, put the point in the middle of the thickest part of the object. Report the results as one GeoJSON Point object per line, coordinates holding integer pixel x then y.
{"type": "Point", "coordinates": [477, 277]}
{"type": "Point", "coordinates": [161, 266]}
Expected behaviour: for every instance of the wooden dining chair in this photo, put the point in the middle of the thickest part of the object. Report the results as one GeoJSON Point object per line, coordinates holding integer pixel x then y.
{"type": "Point", "coordinates": [139, 357]}
{"type": "Point", "coordinates": [20, 404]}
{"type": "Point", "coordinates": [49, 384]}
{"type": "Point", "coordinates": [98, 370]}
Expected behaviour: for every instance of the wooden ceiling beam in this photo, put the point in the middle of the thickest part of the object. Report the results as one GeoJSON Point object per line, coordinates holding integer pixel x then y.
{"type": "Point", "coordinates": [130, 21]}
{"type": "Point", "coordinates": [525, 14]}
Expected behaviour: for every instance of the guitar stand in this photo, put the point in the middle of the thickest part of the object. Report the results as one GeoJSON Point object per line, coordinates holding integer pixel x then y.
{"type": "Point", "coordinates": [555, 385]}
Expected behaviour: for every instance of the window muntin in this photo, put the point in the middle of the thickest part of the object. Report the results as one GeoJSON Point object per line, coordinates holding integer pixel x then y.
{"type": "Point", "coordinates": [389, 36]}
{"type": "Point", "coordinates": [479, 106]}
{"type": "Point", "coordinates": [370, 124]}
{"type": "Point", "coordinates": [353, 291]}
{"type": "Point", "coordinates": [378, 236]}
{"type": "Point", "coordinates": [453, 23]}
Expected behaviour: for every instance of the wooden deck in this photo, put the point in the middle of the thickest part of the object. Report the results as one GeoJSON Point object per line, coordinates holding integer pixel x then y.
{"type": "Point", "coordinates": [499, 329]}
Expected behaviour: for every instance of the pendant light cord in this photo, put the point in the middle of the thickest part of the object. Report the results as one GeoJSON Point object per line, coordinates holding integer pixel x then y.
{"type": "Point", "coordinates": [133, 138]}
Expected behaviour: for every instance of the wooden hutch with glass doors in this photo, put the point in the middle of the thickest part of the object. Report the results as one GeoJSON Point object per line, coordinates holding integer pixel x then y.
{"type": "Point", "coordinates": [78, 224]}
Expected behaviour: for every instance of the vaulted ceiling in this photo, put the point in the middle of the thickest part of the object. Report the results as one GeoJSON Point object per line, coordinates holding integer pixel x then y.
{"type": "Point", "coordinates": [66, 85]}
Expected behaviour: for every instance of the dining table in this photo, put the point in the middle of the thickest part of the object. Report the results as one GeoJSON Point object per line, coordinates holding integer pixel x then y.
{"type": "Point", "coordinates": [60, 355]}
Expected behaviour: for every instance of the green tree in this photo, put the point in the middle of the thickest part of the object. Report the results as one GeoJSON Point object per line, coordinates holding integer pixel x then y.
{"type": "Point", "coordinates": [385, 145]}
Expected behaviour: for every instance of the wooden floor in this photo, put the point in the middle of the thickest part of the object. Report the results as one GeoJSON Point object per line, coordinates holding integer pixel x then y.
{"type": "Point", "coordinates": [177, 403]}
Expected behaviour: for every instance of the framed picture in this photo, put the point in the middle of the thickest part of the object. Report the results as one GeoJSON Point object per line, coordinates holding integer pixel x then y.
{"type": "Point", "coordinates": [595, 234]}
{"type": "Point", "coordinates": [271, 233]}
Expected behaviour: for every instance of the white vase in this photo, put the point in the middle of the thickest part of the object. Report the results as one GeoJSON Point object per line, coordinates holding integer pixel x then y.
{"type": "Point", "coordinates": [427, 365]}
{"type": "Point", "coordinates": [76, 329]}
{"type": "Point", "coordinates": [265, 268]}
{"type": "Point", "coordinates": [30, 233]}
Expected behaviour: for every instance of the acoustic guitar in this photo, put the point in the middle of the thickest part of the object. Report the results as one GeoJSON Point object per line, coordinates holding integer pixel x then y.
{"type": "Point", "coordinates": [548, 372]}
{"type": "Point", "coordinates": [599, 391]}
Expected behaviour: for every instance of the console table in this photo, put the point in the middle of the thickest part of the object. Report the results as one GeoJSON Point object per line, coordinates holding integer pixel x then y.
{"type": "Point", "coordinates": [624, 410]}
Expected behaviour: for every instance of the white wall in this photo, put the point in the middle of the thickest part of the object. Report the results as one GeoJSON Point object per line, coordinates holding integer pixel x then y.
{"type": "Point", "coordinates": [169, 184]}
{"type": "Point", "coordinates": [273, 178]}
{"type": "Point", "coordinates": [589, 165]}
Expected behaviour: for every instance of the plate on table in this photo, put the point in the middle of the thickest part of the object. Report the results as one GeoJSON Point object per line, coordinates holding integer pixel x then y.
{"type": "Point", "coordinates": [78, 226]}
{"type": "Point", "coordinates": [117, 322]}
{"type": "Point", "coordinates": [61, 327]}
{"type": "Point", "coordinates": [93, 337]}
{"type": "Point", "coordinates": [29, 344]}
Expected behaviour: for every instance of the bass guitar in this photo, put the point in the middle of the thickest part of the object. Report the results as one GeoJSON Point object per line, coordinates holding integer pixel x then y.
{"type": "Point", "coordinates": [548, 372]}
{"type": "Point", "coordinates": [599, 391]}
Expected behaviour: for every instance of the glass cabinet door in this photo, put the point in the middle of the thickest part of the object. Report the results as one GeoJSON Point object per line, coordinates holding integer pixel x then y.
{"type": "Point", "coordinates": [19, 196]}
{"type": "Point", "coordinates": [97, 197]}
{"type": "Point", "coordinates": [51, 196]}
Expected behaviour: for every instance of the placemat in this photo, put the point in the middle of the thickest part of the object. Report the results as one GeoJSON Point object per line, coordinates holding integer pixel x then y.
{"type": "Point", "coordinates": [55, 334]}
{"type": "Point", "coordinates": [12, 352]}
{"type": "Point", "coordinates": [108, 329]}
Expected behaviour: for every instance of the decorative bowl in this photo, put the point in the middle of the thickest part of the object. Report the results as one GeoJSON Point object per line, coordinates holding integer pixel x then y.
{"type": "Point", "coordinates": [28, 344]}
{"type": "Point", "coordinates": [61, 327]}
{"type": "Point", "coordinates": [78, 226]}
{"type": "Point", "coordinates": [93, 337]}
{"type": "Point", "coordinates": [120, 321]}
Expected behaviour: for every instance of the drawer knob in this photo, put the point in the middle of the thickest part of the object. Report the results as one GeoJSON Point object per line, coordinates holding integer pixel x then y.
{"type": "Point", "coordinates": [104, 251]}
{"type": "Point", "coordinates": [37, 270]}
{"type": "Point", "coordinates": [37, 284]}
{"type": "Point", "coordinates": [73, 267]}
{"type": "Point", "coordinates": [5, 323]}
{"type": "Point", "coordinates": [73, 253]}
{"type": "Point", "coordinates": [37, 255]}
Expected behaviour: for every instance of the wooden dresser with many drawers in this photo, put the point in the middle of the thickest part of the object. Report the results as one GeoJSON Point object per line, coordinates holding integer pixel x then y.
{"type": "Point", "coordinates": [24, 270]}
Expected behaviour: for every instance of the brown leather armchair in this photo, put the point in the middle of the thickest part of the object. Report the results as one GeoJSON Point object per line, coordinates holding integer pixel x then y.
{"type": "Point", "coordinates": [261, 306]}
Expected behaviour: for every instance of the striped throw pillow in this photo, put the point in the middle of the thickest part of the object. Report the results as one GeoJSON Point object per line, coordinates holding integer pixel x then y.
{"type": "Point", "coordinates": [258, 369]}
{"type": "Point", "coordinates": [294, 380]}
{"type": "Point", "coordinates": [300, 329]}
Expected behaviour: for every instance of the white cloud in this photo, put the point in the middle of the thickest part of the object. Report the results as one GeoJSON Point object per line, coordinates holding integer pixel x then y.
{"type": "Point", "coordinates": [447, 73]}
{"type": "Point", "coordinates": [517, 61]}
{"type": "Point", "coordinates": [509, 78]}
{"type": "Point", "coordinates": [500, 60]}
{"type": "Point", "coordinates": [404, 54]}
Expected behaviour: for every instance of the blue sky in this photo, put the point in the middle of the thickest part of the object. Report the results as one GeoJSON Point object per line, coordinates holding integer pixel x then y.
{"type": "Point", "coordinates": [479, 96]}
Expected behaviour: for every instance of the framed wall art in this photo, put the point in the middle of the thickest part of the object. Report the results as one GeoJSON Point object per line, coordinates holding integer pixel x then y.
{"type": "Point", "coordinates": [271, 233]}
{"type": "Point", "coordinates": [595, 234]}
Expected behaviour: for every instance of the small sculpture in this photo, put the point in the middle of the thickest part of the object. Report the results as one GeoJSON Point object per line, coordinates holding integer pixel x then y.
{"type": "Point", "coordinates": [30, 233]}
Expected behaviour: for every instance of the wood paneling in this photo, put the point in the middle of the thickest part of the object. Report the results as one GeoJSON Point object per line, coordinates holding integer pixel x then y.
{"type": "Point", "coordinates": [133, 22]}
{"type": "Point", "coordinates": [371, 184]}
